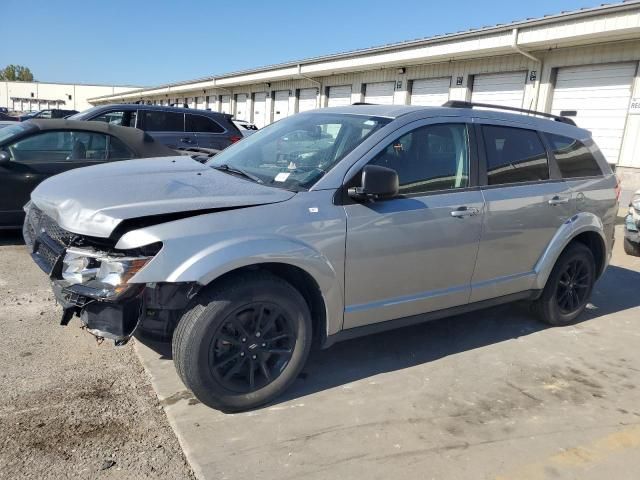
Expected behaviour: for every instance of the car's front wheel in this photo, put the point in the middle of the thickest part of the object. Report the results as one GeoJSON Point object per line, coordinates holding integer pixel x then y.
{"type": "Point", "coordinates": [569, 286]}
{"type": "Point", "coordinates": [243, 342]}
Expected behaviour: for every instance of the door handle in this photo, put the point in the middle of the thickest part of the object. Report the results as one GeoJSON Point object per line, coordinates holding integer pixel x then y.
{"type": "Point", "coordinates": [558, 200]}
{"type": "Point", "coordinates": [465, 212]}
{"type": "Point", "coordinates": [186, 140]}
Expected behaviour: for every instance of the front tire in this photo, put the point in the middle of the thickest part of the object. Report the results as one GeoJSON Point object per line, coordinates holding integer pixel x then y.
{"type": "Point", "coordinates": [569, 287]}
{"type": "Point", "coordinates": [243, 342]}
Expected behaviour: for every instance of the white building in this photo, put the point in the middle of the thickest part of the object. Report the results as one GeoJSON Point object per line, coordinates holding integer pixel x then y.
{"type": "Point", "coordinates": [583, 64]}
{"type": "Point", "coordinates": [31, 96]}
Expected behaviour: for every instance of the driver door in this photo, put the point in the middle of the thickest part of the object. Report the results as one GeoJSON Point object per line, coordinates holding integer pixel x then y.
{"type": "Point", "coordinates": [416, 253]}
{"type": "Point", "coordinates": [37, 157]}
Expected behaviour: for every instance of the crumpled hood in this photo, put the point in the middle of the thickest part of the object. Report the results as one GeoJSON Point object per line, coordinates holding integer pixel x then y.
{"type": "Point", "coordinates": [94, 200]}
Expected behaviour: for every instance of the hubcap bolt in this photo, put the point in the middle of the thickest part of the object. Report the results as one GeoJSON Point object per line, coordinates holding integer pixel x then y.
{"type": "Point", "coordinates": [264, 344]}
{"type": "Point", "coordinates": [242, 354]}
{"type": "Point", "coordinates": [254, 357]}
{"type": "Point", "coordinates": [244, 339]}
{"type": "Point", "coordinates": [258, 334]}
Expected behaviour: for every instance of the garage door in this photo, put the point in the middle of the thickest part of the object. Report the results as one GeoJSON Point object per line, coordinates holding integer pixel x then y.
{"type": "Point", "coordinates": [379, 93]}
{"type": "Point", "coordinates": [200, 103]}
{"type": "Point", "coordinates": [260, 109]}
{"type": "Point", "coordinates": [241, 104]}
{"type": "Point", "coordinates": [431, 92]}
{"type": "Point", "coordinates": [599, 95]}
{"type": "Point", "coordinates": [506, 89]}
{"type": "Point", "coordinates": [225, 104]}
{"type": "Point", "coordinates": [339, 96]}
{"type": "Point", "coordinates": [281, 105]}
{"type": "Point", "coordinates": [307, 99]}
{"type": "Point", "coordinates": [212, 100]}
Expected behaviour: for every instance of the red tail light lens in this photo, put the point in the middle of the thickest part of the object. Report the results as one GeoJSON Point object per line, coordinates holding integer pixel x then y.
{"type": "Point", "coordinates": [235, 138]}
{"type": "Point", "coordinates": [618, 189]}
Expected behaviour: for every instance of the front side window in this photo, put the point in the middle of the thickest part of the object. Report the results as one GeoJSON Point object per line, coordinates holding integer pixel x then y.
{"type": "Point", "coordinates": [429, 158]}
{"type": "Point", "coordinates": [514, 155]}
{"type": "Point", "coordinates": [158, 121]}
{"type": "Point", "coordinates": [295, 152]}
{"type": "Point", "coordinates": [59, 146]}
{"type": "Point", "coordinates": [118, 117]}
{"type": "Point", "coordinates": [573, 158]}
{"type": "Point", "coordinates": [202, 124]}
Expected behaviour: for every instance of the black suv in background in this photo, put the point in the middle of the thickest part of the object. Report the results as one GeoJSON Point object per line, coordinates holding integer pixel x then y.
{"type": "Point", "coordinates": [50, 113]}
{"type": "Point", "coordinates": [173, 126]}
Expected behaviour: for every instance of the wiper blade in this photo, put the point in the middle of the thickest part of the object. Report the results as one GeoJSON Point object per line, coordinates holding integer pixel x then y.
{"type": "Point", "coordinates": [226, 168]}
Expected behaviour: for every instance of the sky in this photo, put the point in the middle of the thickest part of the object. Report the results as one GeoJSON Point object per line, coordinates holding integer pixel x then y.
{"type": "Point", "coordinates": [151, 42]}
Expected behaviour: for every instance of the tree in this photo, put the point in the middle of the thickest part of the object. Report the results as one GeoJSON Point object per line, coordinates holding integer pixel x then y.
{"type": "Point", "coordinates": [16, 72]}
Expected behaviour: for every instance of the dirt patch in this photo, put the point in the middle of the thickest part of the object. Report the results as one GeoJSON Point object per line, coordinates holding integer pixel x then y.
{"type": "Point", "coordinates": [69, 408]}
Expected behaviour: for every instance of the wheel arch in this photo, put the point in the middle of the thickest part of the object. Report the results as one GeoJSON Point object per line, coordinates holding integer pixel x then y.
{"type": "Point", "coordinates": [585, 228]}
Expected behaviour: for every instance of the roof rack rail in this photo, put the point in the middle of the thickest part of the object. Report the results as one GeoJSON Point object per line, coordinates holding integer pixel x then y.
{"type": "Point", "coordinates": [463, 104]}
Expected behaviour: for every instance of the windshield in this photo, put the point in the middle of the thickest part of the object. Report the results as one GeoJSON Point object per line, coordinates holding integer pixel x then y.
{"type": "Point", "coordinates": [13, 130]}
{"type": "Point", "coordinates": [296, 152]}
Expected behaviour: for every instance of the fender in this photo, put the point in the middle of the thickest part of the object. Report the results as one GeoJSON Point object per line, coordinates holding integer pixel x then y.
{"type": "Point", "coordinates": [574, 226]}
{"type": "Point", "coordinates": [205, 265]}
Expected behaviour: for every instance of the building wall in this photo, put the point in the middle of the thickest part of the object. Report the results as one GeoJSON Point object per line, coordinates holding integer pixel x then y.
{"type": "Point", "coordinates": [30, 96]}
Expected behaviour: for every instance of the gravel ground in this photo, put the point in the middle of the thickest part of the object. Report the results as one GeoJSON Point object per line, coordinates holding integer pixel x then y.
{"type": "Point", "coordinates": [68, 407]}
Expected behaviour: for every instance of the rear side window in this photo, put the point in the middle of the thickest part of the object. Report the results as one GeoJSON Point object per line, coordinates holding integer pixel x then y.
{"type": "Point", "coordinates": [202, 124]}
{"type": "Point", "coordinates": [514, 155]}
{"type": "Point", "coordinates": [573, 158]}
{"type": "Point", "coordinates": [153, 121]}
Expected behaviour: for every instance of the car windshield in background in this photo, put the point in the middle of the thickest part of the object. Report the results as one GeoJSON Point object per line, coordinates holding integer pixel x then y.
{"type": "Point", "coordinates": [15, 129]}
{"type": "Point", "coordinates": [296, 152]}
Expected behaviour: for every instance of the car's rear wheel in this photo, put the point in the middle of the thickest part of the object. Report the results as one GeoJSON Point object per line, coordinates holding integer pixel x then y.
{"type": "Point", "coordinates": [243, 342]}
{"type": "Point", "coordinates": [631, 248]}
{"type": "Point", "coordinates": [569, 286]}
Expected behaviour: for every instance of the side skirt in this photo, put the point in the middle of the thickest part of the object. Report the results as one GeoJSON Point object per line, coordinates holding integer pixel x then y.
{"type": "Point", "coordinates": [426, 317]}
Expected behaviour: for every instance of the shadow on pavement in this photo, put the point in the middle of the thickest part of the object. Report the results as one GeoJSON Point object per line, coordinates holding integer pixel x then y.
{"type": "Point", "coordinates": [364, 357]}
{"type": "Point", "coordinates": [11, 237]}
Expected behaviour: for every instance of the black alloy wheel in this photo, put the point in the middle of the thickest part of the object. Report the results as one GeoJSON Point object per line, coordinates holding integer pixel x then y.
{"type": "Point", "coordinates": [252, 347]}
{"type": "Point", "coordinates": [574, 285]}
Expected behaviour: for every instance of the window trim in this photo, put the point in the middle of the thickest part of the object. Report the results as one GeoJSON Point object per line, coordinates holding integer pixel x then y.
{"type": "Point", "coordinates": [484, 175]}
{"type": "Point", "coordinates": [355, 171]}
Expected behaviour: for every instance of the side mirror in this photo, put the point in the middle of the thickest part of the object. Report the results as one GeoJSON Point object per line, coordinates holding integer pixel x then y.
{"type": "Point", "coordinates": [5, 159]}
{"type": "Point", "coordinates": [377, 183]}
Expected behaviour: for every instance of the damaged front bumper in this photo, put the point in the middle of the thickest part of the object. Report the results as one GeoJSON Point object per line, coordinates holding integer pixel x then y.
{"type": "Point", "coordinates": [631, 227]}
{"type": "Point", "coordinates": [92, 283]}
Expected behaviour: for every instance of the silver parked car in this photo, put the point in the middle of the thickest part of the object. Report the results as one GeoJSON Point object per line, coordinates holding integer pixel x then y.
{"type": "Point", "coordinates": [325, 226]}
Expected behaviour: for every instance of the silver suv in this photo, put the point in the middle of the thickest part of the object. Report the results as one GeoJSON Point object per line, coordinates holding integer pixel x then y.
{"type": "Point", "coordinates": [322, 227]}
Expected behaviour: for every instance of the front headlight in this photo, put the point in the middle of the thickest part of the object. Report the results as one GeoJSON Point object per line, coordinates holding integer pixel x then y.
{"type": "Point", "coordinates": [100, 275]}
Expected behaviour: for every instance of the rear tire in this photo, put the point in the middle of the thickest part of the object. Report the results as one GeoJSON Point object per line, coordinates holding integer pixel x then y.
{"type": "Point", "coordinates": [243, 342]}
{"type": "Point", "coordinates": [568, 288]}
{"type": "Point", "coordinates": [631, 248]}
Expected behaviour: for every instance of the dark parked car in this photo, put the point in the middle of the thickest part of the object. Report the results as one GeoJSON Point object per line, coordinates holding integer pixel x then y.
{"type": "Point", "coordinates": [7, 118]}
{"type": "Point", "coordinates": [32, 151]}
{"type": "Point", "coordinates": [49, 113]}
{"type": "Point", "coordinates": [175, 127]}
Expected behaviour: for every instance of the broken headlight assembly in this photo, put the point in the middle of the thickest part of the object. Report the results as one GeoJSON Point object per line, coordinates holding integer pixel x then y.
{"type": "Point", "coordinates": [100, 275]}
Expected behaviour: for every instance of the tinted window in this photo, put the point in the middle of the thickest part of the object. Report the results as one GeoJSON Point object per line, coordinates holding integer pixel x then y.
{"type": "Point", "coordinates": [125, 119]}
{"type": "Point", "coordinates": [60, 146]}
{"type": "Point", "coordinates": [162, 121]}
{"type": "Point", "coordinates": [118, 150]}
{"type": "Point", "coordinates": [514, 155]}
{"type": "Point", "coordinates": [573, 158]}
{"type": "Point", "coordinates": [434, 157]}
{"type": "Point", "coordinates": [199, 123]}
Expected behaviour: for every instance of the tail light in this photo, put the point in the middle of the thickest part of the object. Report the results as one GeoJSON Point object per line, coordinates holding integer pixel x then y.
{"type": "Point", "coordinates": [235, 138]}
{"type": "Point", "coordinates": [618, 189]}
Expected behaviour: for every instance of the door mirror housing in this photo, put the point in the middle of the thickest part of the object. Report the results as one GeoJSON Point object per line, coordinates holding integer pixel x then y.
{"type": "Point", "coordinates": [5, 158]}
{"type": "Point", "coordinates": [377, 183]}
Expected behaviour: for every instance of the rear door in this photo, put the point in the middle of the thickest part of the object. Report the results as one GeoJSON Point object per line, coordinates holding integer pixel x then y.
{"type": "Point", "coordinates": [166, 127]}
{"type": "Point", "coordinates": [526, 203]}
{"type": "Point", "coordinates": [208, 132]}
